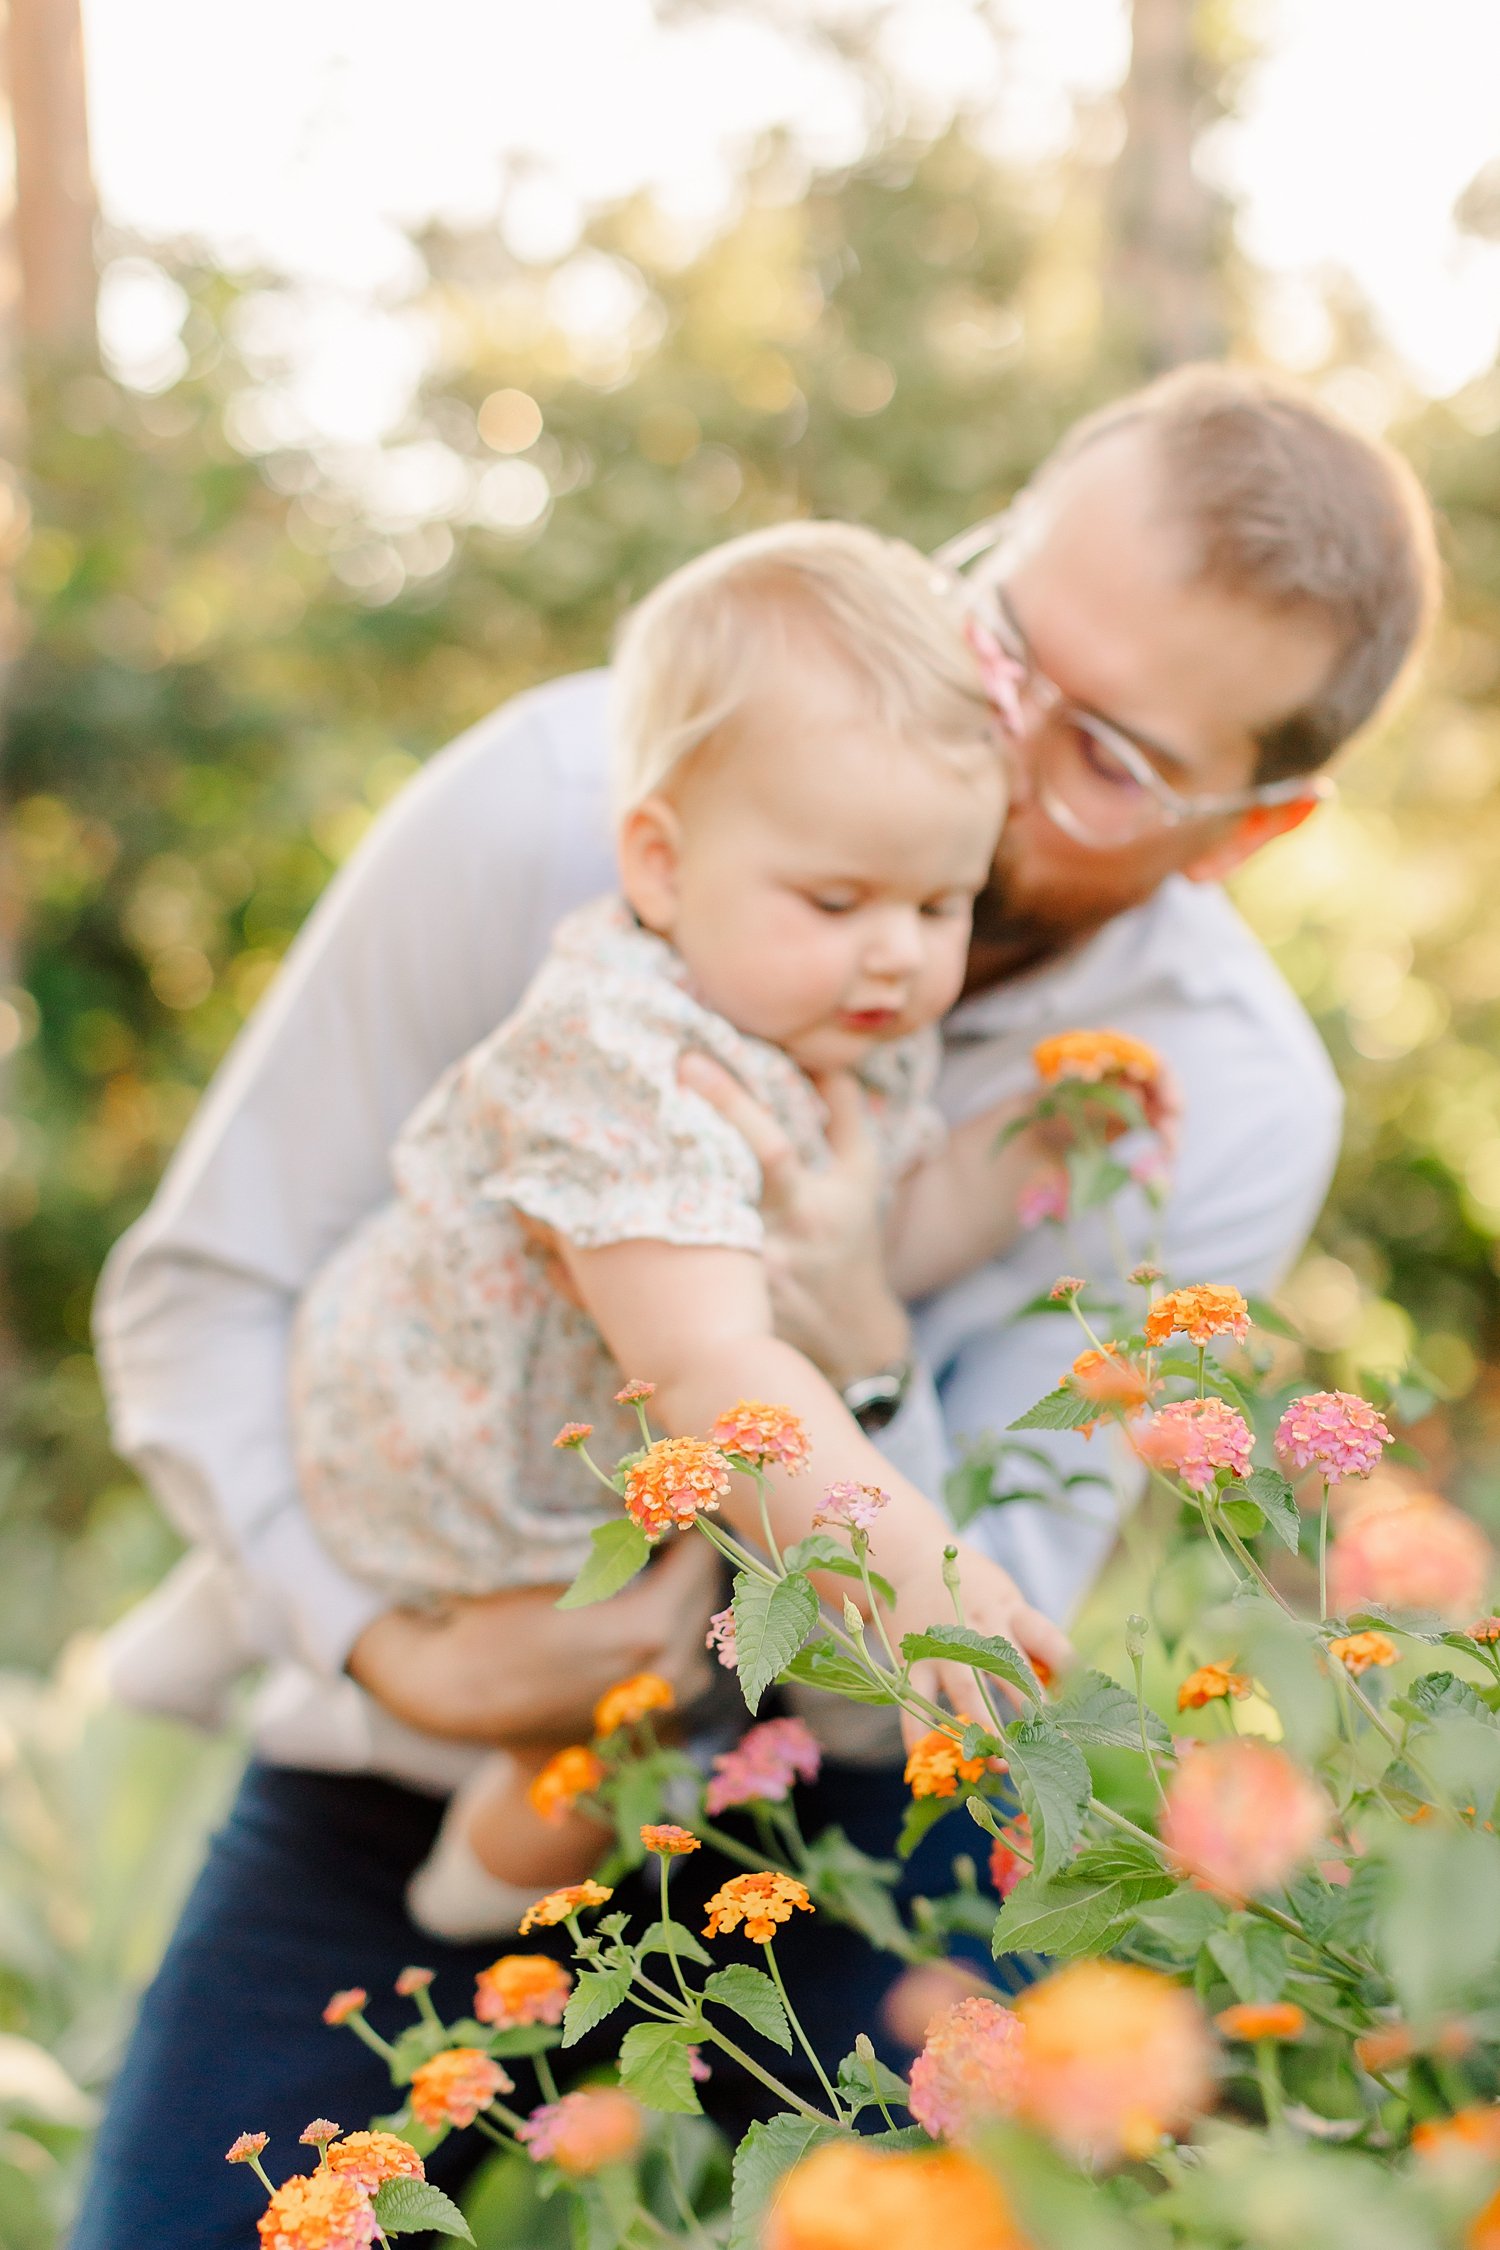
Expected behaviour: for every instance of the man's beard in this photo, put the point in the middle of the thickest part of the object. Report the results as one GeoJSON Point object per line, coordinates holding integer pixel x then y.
{"type": "Point", "coordinates": [1010, 937]}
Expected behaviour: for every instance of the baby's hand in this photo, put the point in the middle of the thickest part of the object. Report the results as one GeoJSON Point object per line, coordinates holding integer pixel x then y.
{"type": "Point", "coordinates": [992, 1604]}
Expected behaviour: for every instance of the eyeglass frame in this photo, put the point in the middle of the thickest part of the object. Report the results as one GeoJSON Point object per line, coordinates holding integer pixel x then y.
{"type": "Point", "coordinates": [1172, 806]}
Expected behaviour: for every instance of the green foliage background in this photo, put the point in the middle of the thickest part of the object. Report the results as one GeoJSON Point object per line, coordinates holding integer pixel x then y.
{"type": "Point", "coordinates": [242, 643]}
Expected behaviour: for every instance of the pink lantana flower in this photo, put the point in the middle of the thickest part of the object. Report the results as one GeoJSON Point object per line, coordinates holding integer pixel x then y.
{"type": "Point", "coordinates": [1240, 1816]}
{"type": "Point", "coordinates": [1194, 1439]}
{"type": "Point", "coordinates": [853, 1506]}
{"type": "Point", "coordinates": [1333, 1432]}
{"type": "Point", "coordinates": [763, 1765]}
{"type": "Point", "coordinates": [720, 1637]}
{"type": "Point", "coordinates": [969, 2069]}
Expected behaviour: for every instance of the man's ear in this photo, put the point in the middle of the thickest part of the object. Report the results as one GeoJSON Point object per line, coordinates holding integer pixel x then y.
{"type": "Point", "coordinates": [649, 851]}
{"type": "Point", "coordinates": [1260, 825]}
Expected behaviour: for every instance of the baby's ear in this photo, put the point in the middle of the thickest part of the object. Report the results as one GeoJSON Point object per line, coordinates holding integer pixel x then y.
{"type": "Point", "coordinates": [650, 854]}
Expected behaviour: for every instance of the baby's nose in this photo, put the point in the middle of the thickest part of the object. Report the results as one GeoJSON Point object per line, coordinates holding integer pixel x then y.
{"type": "Point", "coordinates": [895, 948]}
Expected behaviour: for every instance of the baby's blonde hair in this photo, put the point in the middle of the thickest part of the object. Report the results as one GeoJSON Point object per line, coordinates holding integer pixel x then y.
{"type": "Point", "coordinates": [696, 652]}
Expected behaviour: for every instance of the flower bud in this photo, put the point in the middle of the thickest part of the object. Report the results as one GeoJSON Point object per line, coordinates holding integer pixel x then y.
{"type": "Point", "coordinates": [1137, 1633]}
{"type": "Point", "coordinates": [852, 1618]}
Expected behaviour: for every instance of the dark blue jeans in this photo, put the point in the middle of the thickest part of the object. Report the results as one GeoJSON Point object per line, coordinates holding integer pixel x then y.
{"type": "Point", "coordinates": [302, 1894]}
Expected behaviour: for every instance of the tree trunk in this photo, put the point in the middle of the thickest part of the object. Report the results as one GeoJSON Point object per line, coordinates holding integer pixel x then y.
{"type": "Point", "coordinates": [1163, 266]}
{"type": "Point", "coordinates": [55, 205]}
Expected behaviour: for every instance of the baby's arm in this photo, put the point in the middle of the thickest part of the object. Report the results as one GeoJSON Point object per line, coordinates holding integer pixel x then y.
{"type": "Point", "coordinates": [697, 1323]}
{"type": "Point", "coordinates": [957, 1210]}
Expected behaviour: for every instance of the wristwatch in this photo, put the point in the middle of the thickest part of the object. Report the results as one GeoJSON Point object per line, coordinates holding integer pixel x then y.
{"type": "Point", "coordinates": [875, 1400]}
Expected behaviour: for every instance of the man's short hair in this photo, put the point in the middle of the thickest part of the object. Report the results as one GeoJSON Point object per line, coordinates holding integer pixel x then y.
{"type": "Point", "coordinates": [693, 657]}
{"type": "Point", "coordinates": [1292, 508]}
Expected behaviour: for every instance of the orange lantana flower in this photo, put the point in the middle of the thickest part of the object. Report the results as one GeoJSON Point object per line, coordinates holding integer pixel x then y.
{"type": "Point", "coordinates": [584, 2132]}
{"type": "Point", "coordinates": [1262, 2019]}
{"type": "Point", "coordinates": [1110, 1379]}
{"type": "Point", "coordinates": [343, 2005]}
{"type": "Point", "coordinates": [668, 1840]}
{"type": "Point", "coordinates": [1484, 1630]}
{"type": "Point", "coordinates": [1097, 1057]}
{"type": "Point", "coordinates": [370, 2159]}
{"type": "Point", "coordinates": [558, 1905]}
{"type": "Point", "coordinates": [455, 2086]}
{"type": "Point", "coordinates": [1204, 1310]}
{"type": "Point", "coordinates": [770, 1436]}
{"type": "Point", "coordinates": [846, 2196]}
{"type": "Point", "coordinates": [522, 1988]}
{"type": "Point", "coordinates": [1475, 2130]}
{"type": "Point", "coordinates": [675, 1480]}
{"type": "Point", "coordinates": [629, 1700]}
{"type": "Point", "coordinates": [1360, 1652]}
{"type": "Point", "coordinates": [1208, 1684]}
{"type": "Point", "coordinates": [568, 1775]}
{"type": "Point", "coordinates": [759, 1901]}
{"type": "Point", "coordinates": [936, 1764]}
{"type": "Point", "coordinates": [317, 2211]}
{"type": "Point", "coordinates": [1112, 2057]}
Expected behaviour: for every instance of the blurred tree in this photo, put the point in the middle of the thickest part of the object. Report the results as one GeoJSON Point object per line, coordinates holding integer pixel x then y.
{"type": "Point", "coordinates": [1166, 229]}
{"type": "Point", "coordinates": [55, 209]}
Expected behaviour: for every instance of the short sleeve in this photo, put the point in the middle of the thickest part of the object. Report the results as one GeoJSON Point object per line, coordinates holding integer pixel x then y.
{"type": "Point", "coordinates": [578, 1093]}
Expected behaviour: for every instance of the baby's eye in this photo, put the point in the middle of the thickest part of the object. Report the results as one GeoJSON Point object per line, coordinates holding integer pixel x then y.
{"type": "Point", "coordinates": [947, 904]}
{"type": "Point", "coordinates": [834, 902]}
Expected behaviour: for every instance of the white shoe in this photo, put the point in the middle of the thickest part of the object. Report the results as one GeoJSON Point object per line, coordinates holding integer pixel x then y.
{"type": "Point", "coordinates": [452, 1895]}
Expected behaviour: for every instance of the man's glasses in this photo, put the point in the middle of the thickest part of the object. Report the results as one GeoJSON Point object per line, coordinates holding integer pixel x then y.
{"type": "Point", "coordinates": [1093, 782]}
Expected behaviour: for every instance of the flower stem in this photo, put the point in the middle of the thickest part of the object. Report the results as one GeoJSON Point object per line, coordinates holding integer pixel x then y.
{"type": "Point", "coordinates": [1140, 1712]}
{"type": "Point", "coordinates": [1268, 2075]}
{"type": "Point", "coordinates": [544, 2077]}
{"type": "Point", "coordinates": [803, 2041]}
{"type": "Point", "coordinates": [1323, 1555]}
{"type": "Point", "coordinates": [666, 1915]}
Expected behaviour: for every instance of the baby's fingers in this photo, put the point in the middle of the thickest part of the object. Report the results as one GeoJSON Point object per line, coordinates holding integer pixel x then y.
{"type": "Point", "coordinates": [1049, 1648]}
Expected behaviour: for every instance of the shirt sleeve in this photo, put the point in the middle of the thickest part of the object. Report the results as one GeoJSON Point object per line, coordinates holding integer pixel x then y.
{"type": "Point", "coordinates": [1262, 1119]}
{"type": "Point", "coordinates": [599, 1141]}
{"type": "Point", "coordinates": [421, 944]}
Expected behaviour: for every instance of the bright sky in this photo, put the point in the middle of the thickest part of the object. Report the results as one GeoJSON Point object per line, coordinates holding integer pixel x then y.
{"type": "Point", "coordinates": [309, 131]}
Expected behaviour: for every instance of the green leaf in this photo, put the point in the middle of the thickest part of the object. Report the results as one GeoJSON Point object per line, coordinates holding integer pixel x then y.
{"type": "Point", "coordinates": [983, 1652]}
{"type": "Point", "coordinates": [520, 2039]}
{"type": "Point", "coordinates": [1053, 1783]}
{"type": "Point", "coordinates": [764, 2156]}
{"type": "Point", "coordinates": [849, 1883]}
{"type": "Point", "coordinates": [674, 1937]}
{"type": "Point", "coordinates": [865, 2084]}
{"type": "Point", "coordinates": [1439, 1917]}
{"type": "Point", "coordinates": [1184, 1921]}
{"type": "Point", "coordinates": [655, 2066]}
{"type": "Point", "coordinates": [1076, 1913]}
{"type": "Point", "coordinates": [1242, 1516]}
{"type": "Point", "coordinates": [1093, 1177]}
{"type": "Point", "coordinates": [751, 1994]}
{"type": "Point", "coordinates": [596, 1995]}
{"type": "Point", "coordinates": [1096, 1710]}
{"type": "Point", "coordinates": [1437, 1694]}
{"type": "Point", "coordinates": [924, 1813]}
{"type": "Point", "coordinates": [1252, 1958]}
{"type": "Point", "coordinates": [1265, 1315]}
{"type": "Point", "coordinates": [619, 1549]}
{"type": "Point", "coordinates": [818, 1551]}
{"type": "Point", "coordinates": [417, 2207]}
{"type": "Point", "coordinates": [822, 1664]}
{"type": "Point", "coordinates": [1062, 1409]}
{"type": "Point", "coordinates": [771, 1622]}
{"type": "Point", "coordinates": [1272, 1494]}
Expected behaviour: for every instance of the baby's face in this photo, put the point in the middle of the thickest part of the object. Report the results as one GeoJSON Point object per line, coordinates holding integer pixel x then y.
{"type": "Point", "coordinates": [822, 875]}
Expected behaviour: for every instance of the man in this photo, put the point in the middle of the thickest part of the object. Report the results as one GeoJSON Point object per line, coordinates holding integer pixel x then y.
{"type": "Point", "coordinates": [1206, 591]}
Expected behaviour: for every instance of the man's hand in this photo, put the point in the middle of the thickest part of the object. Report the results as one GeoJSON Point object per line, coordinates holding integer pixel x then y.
{"type": "Point", "coordinates": [824, 1257]}
{"type": "Point", "coordinates": [513, 1668]}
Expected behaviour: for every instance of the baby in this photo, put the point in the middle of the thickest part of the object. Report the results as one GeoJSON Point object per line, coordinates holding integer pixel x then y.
{"type": "Point", "coordinates": [808, 794]}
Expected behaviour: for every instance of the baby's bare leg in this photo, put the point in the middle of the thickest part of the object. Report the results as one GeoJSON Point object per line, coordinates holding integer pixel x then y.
{"type": "Point", "coordinates": [495, 1855]}
{"type": "Point", "coordinates": [511, 1840]}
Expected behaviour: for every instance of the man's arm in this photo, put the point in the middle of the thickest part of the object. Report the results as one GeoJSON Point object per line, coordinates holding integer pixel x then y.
{"type": "Point", "coordinates": [422, 943]}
